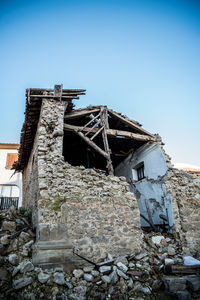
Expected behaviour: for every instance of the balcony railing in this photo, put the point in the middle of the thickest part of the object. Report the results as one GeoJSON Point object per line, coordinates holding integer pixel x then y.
{"type": "Point", "coordinates": [6, 202]}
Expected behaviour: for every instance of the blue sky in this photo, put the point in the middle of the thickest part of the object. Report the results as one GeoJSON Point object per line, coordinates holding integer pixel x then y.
{"type": "Point", "coordinates": [140, 58]}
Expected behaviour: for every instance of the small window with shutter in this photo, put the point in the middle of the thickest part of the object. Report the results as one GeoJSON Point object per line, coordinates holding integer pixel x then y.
{"type": "Point", "coordinates": [11, 158]}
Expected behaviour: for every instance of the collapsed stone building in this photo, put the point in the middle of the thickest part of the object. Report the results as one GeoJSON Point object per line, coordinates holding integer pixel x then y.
{"type": "Point", "coordinates": [95, 179]}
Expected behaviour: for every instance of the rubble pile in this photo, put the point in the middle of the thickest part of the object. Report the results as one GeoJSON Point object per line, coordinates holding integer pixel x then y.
{"type": "Point", "coordinates": [132, 276]}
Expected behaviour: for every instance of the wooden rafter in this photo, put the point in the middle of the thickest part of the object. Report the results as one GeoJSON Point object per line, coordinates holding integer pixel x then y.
{"type": "Point", "coordinates": [111, 132]}
{"type": "Point", "coordinates": [78, 114]}
{"type": "Point", "coordinates": [129, 123]}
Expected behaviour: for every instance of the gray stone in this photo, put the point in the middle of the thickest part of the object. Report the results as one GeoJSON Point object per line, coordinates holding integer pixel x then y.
{"type": "Point", "coordinates": [30, 296]}
{"type": "Point", "coordinates": [81, 290]}
{"type": "Point", "coordinates": [13, 259]}
{"type": "Point", "coordinates": [15, 270]}
{"type": "Point", "coordinates": [22, 282]}
{"type": "Point", "coordinates": [23, 237]}
{"type": "Point", "coordinates": [113, 277]}
{"type": "Point", "coordinates": [193, 282]}
{"type": "Point", "coordinates": [88, 269]}
{"type": "Point", "coordinates": [29, 244]}
{"type": "Point", "coordinates": [59, 278]}
{"type": "Point", "coordinates": [26, 266]}
{"type": "Point", "coordinates": [104, 269]}
{"type": "Point", "coordinates": [88, 277]}
{"type": "Point", "coordinates": [95, 273]}
{"type": "Point", "coordinates": [3, 274]}
{"type": "Point", "coordinates": [42, 277]}
{"type": "Point", "coordinates": [171, 250]}
{"type": "Point", "coordinates": [69, 285]}
{"type": "Point", "coordinates": [75, 296]}
{"type": "Point", "coordinates": [157, 239]}
{"type": "Point", "coordinates": [174, 284]}
{"type": "Point", "coordinates": [169, 261]}
{"type": "Point", "coordinates": [141, 255]}
{"type": "Point", "coordinates": [9, 225]}
{"type": "Point", "coordinates": [78, 273]}
{"type": "Point", "coordinates": [185, 295]}
{"type": "Point", "coordinates": [5, 240]}
{"type": "Point", "coordinates": [122, 267]}
{"type": "Point", "coordinates": [139, 288]}
{"type": "Point", "coordinates": [123, 260]}
{"type": "Point", "coordinates": [121, 274]}
{"type": "Point", "coordinates": [106, 278]}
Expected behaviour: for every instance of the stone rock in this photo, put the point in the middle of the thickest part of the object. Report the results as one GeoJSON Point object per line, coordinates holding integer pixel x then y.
{"type": "Point", "coordinates": [88, 277]}
{"type": "Point", "coordinates": [169, 261]}
{"type": "Point", "coordinates": [171, 250]}
{"type": "Point", "coordinates": [9, 225]}
{"type": "Point", "coordinates": [29, 244]}
{"type": "Point", "coordinates": [80, 289]}
{"type": "Point", "coordinates": [15, 270]}
{"type": "Point", "coordinates": [121, 274]}
{"type": "Point", "coordinates": [13, 259]}
{"type": "Point", "coordinates": [26, 266]}
{"type": "Point", "coordinates": [95, 273]}
{"type": "Point", "coordinates": [23, 237]}
{"type": "Point", "coordinates": [156, 239]}
{"type": "Point", "coordinates": [88, 269]}
{"type": "Point", "coordinates": [59, 278]}
{"type": "Point", "coordinates": [42, 277]}
{"type": "Point", "coordinates": [104, 269]}
{"type": "Point", "coordinates": [123, 260]}
{"type": "Point", "coordinates": [13, 245]}
{"type": "Point", "coordinates": [184, 295]}
{"type": "Point", "coordinates": [75, 296]}
{"type": "Point", "coordinates": [174, 284]}
{"type": "Point", "coordinates": [139, 288]}
{"type": "Point", "coordinates": [122, 267]}
{"type": "Point", "coordinates": [4, 240]}
{"type": "Point", "coordinates": [193, 282]}
{"type": "Point", "coordinates": [22, 282]}
{"type": "Point", "coordinates": [106, 278]}
{"type": "Point", "coordinates": [78, 273]}
{"type": "Point", "coordinates": [113, 277]}
{"type": "Point", "coordinates": [30, 296]}
{"type": "Point", "coordinates": [3, 274]}
{"type": "Point", "coordinates": [141, 255]}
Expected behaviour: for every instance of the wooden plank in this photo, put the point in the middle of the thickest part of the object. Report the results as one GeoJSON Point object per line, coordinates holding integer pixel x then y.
{"type": "Point", "coordinates": [129, 123]}
{"type": "Point", "coordinates": [112, 133]}
{"type": "Point", "coordinates": [179, 269]}
{"type": "Point", "coordinates": [92, 144]}
{"type": "Point", "coordinates": [52, 96]}
{"type": "Point", "coordinates": [98, 131]}
{"type": "Point", "coordinates": [74, 115]}
{"type": "Point", "coordinates": [105, 140]}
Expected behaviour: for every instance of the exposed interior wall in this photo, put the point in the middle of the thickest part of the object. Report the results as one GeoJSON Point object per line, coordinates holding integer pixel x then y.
{"type": "Point", "coordinates": [185, 192]}
{"type": "Point", "coordinates": [77, 207]}
{"type": "Point", "coordinates": [151, 190]}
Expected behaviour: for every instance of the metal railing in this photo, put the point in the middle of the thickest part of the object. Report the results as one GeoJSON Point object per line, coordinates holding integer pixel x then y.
{"type": "Point", "coordinates": [6, 202]}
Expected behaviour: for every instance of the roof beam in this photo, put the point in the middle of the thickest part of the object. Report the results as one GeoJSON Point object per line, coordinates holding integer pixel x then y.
{"type": "Point", "coordinates": [129, 123]}
{"type": "Point", "coordinates": [111, 132]}
{"type": "Point", "coordinates": [75, 114]}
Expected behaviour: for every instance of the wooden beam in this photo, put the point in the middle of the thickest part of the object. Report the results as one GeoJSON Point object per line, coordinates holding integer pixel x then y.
{"type": "Point", "coordinates": [52, 96]}
{"type": "Point", "coordinates": [129, 123]}
{"type": "Point", "coordinates": [104, 123]}
{"type": "Point", "coordinates": [92, 144]}
{"type": "Point", "coordinates": [112, 133]}
{"type": "Point", "coordinates": [74, 115]}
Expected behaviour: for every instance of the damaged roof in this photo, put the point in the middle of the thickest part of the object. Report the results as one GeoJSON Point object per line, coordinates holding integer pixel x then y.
{"type": "Point", "coordinates": [88, 123]}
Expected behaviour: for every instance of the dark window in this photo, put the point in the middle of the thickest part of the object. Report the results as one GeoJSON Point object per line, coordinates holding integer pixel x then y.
{"type": "Point", "coordinates": [140, 172]}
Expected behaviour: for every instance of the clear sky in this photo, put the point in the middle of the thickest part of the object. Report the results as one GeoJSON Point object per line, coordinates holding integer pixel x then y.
{"type": "Point", "coordinates": [140, 58]}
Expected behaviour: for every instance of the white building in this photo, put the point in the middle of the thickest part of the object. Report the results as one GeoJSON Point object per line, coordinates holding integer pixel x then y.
{"type": "Point", "coordinates": [10, 183]}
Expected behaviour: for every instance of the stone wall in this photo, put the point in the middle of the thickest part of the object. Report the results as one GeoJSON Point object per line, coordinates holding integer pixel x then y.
{"type": "Point", "coordinates": [185, 191]}
{"type": "Point", "coordinates": [77, 207]}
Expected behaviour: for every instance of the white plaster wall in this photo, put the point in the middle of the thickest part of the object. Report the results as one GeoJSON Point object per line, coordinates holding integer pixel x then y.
{"type": "Point", "coordinates": [7, 177]}
{"type": "Point", "coordinates": [152, 187]}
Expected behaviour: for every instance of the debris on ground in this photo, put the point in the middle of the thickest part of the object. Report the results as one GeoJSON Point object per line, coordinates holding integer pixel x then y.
{"type": "Point", "coordinates": [158, 272]}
